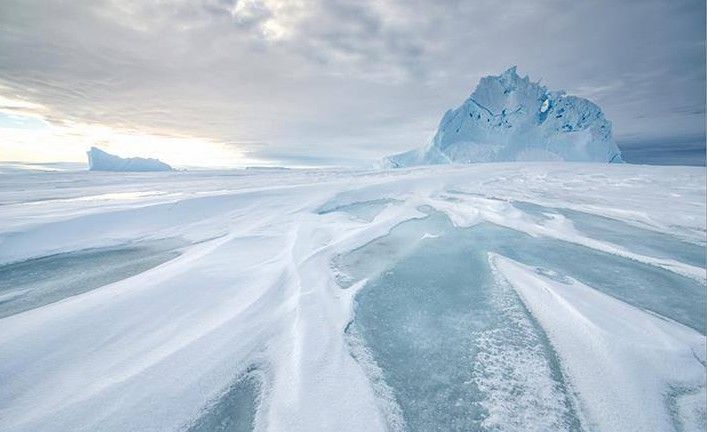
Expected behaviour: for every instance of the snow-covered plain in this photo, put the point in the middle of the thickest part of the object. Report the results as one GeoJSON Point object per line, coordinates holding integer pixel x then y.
{"type": "Point", "coordinates": [513, 297]}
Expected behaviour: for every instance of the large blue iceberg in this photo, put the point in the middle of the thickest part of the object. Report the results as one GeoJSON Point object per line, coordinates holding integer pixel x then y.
{"type": "Point", "coordinates": [509, 118]}
{"type": "Point", "coordinates": [98, 160]}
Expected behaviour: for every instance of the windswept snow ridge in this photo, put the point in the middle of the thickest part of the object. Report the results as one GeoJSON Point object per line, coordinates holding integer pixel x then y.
{"type": "Point", "coordinates": [98, 160]}
{"type": "Point", "coordinates": [509, 118]}
{"type": "Point", "coordinates": [623, 362]}
{"type": "Point", "coordinates": [354, 301]}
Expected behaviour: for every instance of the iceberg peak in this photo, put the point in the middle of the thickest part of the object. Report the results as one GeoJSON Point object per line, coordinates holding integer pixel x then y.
{"type": "Point", "coordinates": [511, 73]}
{"type": "Point", "coordinates": [509, 118]}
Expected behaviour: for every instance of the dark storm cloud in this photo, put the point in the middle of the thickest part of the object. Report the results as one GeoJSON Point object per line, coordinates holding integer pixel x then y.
{"type": "Point", "coordinates": [345, 79]}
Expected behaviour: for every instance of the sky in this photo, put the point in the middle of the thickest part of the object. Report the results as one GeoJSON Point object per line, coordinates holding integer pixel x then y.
{"type": "Point", "coordinates": [220, 83]}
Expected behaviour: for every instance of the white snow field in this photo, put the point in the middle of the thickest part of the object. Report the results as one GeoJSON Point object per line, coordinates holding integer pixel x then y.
{"type": "Point", "coordinates": [489, 297]}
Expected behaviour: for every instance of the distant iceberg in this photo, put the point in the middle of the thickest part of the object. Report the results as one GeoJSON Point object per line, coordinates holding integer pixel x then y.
{"type": "Point", "coordinates": [98, 160]}
{"type": "Point", "coordinates": [509, 118]}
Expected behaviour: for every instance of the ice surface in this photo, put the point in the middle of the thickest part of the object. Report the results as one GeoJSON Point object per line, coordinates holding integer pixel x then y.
{"type": "Point", "coordinates": [632, 238]}
{"type": "Point", "coordinates": [99, 160]}
{"type": "Point", "coordinates": [366, 210]}
{"type": "Point", "coordinates": [364, 298]}
{"type": "Point", "coordinates": [509, 118]}
{"type": "Point", "coordinates": [456, 348]}
{"type": "Point", "coordinates": [438, 307]}
{"type": "Point", "coordinates": [234, 411]}
{"type": "Point", "coordinates": [642, 358]}
{"type": "Point", "coordinates": [36, 282]}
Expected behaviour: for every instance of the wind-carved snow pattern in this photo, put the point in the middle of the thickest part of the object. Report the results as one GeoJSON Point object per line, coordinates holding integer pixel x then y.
{"type": "Point", "coordinates": [639, 359]}
{"type": "Point", "coordinates": [518, 373]}
{"type": "Point", "coordinates": [509, 118]}
{"type": "Point", "coordinates": [418, 331]}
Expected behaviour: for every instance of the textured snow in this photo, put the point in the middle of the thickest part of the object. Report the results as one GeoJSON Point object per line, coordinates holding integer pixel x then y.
{"type": "Point", "coordinates": [99, 160]}
{"type": "Point", "coordinates": [274, 277]}
{"type": "Point", "coordinates": [628, 360]}
{"type": "Point", "coordinates": [509, 118]}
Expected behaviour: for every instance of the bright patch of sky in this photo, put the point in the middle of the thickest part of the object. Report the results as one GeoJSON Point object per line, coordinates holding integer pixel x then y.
{"type": "Point", "coordinates": [14, 121]}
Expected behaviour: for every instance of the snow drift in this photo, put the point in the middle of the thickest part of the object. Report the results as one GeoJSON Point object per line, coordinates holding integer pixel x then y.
{"type": "Point", "coordinates": [98, 160]}
{"type": "Point", "coordinates": [509, 118]}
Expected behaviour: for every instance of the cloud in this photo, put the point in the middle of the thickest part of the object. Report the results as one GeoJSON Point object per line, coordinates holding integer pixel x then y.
{"type": "Point", "coordinates": [328, 79]}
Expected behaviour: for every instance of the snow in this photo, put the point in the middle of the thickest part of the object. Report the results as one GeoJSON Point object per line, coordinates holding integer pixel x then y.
{"type": "Point", "coordinates": [509, 118]}
{"type": "Point", "coordinates": [627, 360]}
{"type": "Point", "coordinates": [99, 160]}
{"type": "Point", "coordinates": [303, 284]}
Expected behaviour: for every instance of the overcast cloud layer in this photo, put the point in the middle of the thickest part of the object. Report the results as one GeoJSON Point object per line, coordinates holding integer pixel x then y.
{"type": "Point", "coordinates": [332, 81]}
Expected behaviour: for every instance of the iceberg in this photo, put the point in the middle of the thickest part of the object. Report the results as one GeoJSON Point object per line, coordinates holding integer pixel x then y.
{"type": "Point", "coordinates": [99, 160]}
{"type": "Point", "coordinates": [509, 118]}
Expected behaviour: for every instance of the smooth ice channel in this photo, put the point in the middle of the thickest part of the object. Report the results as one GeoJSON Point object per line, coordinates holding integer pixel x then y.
{"type": "Point", "coordinates": [634, 239]}
{"type": "Point", "coordinates": [234, 411]}
{"type": "Point", "coordinates": [448, 345]}
{"type": "Point", "coordinates": [33, 283]}
{"type": "Point", "coordinates": [365, 211]}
